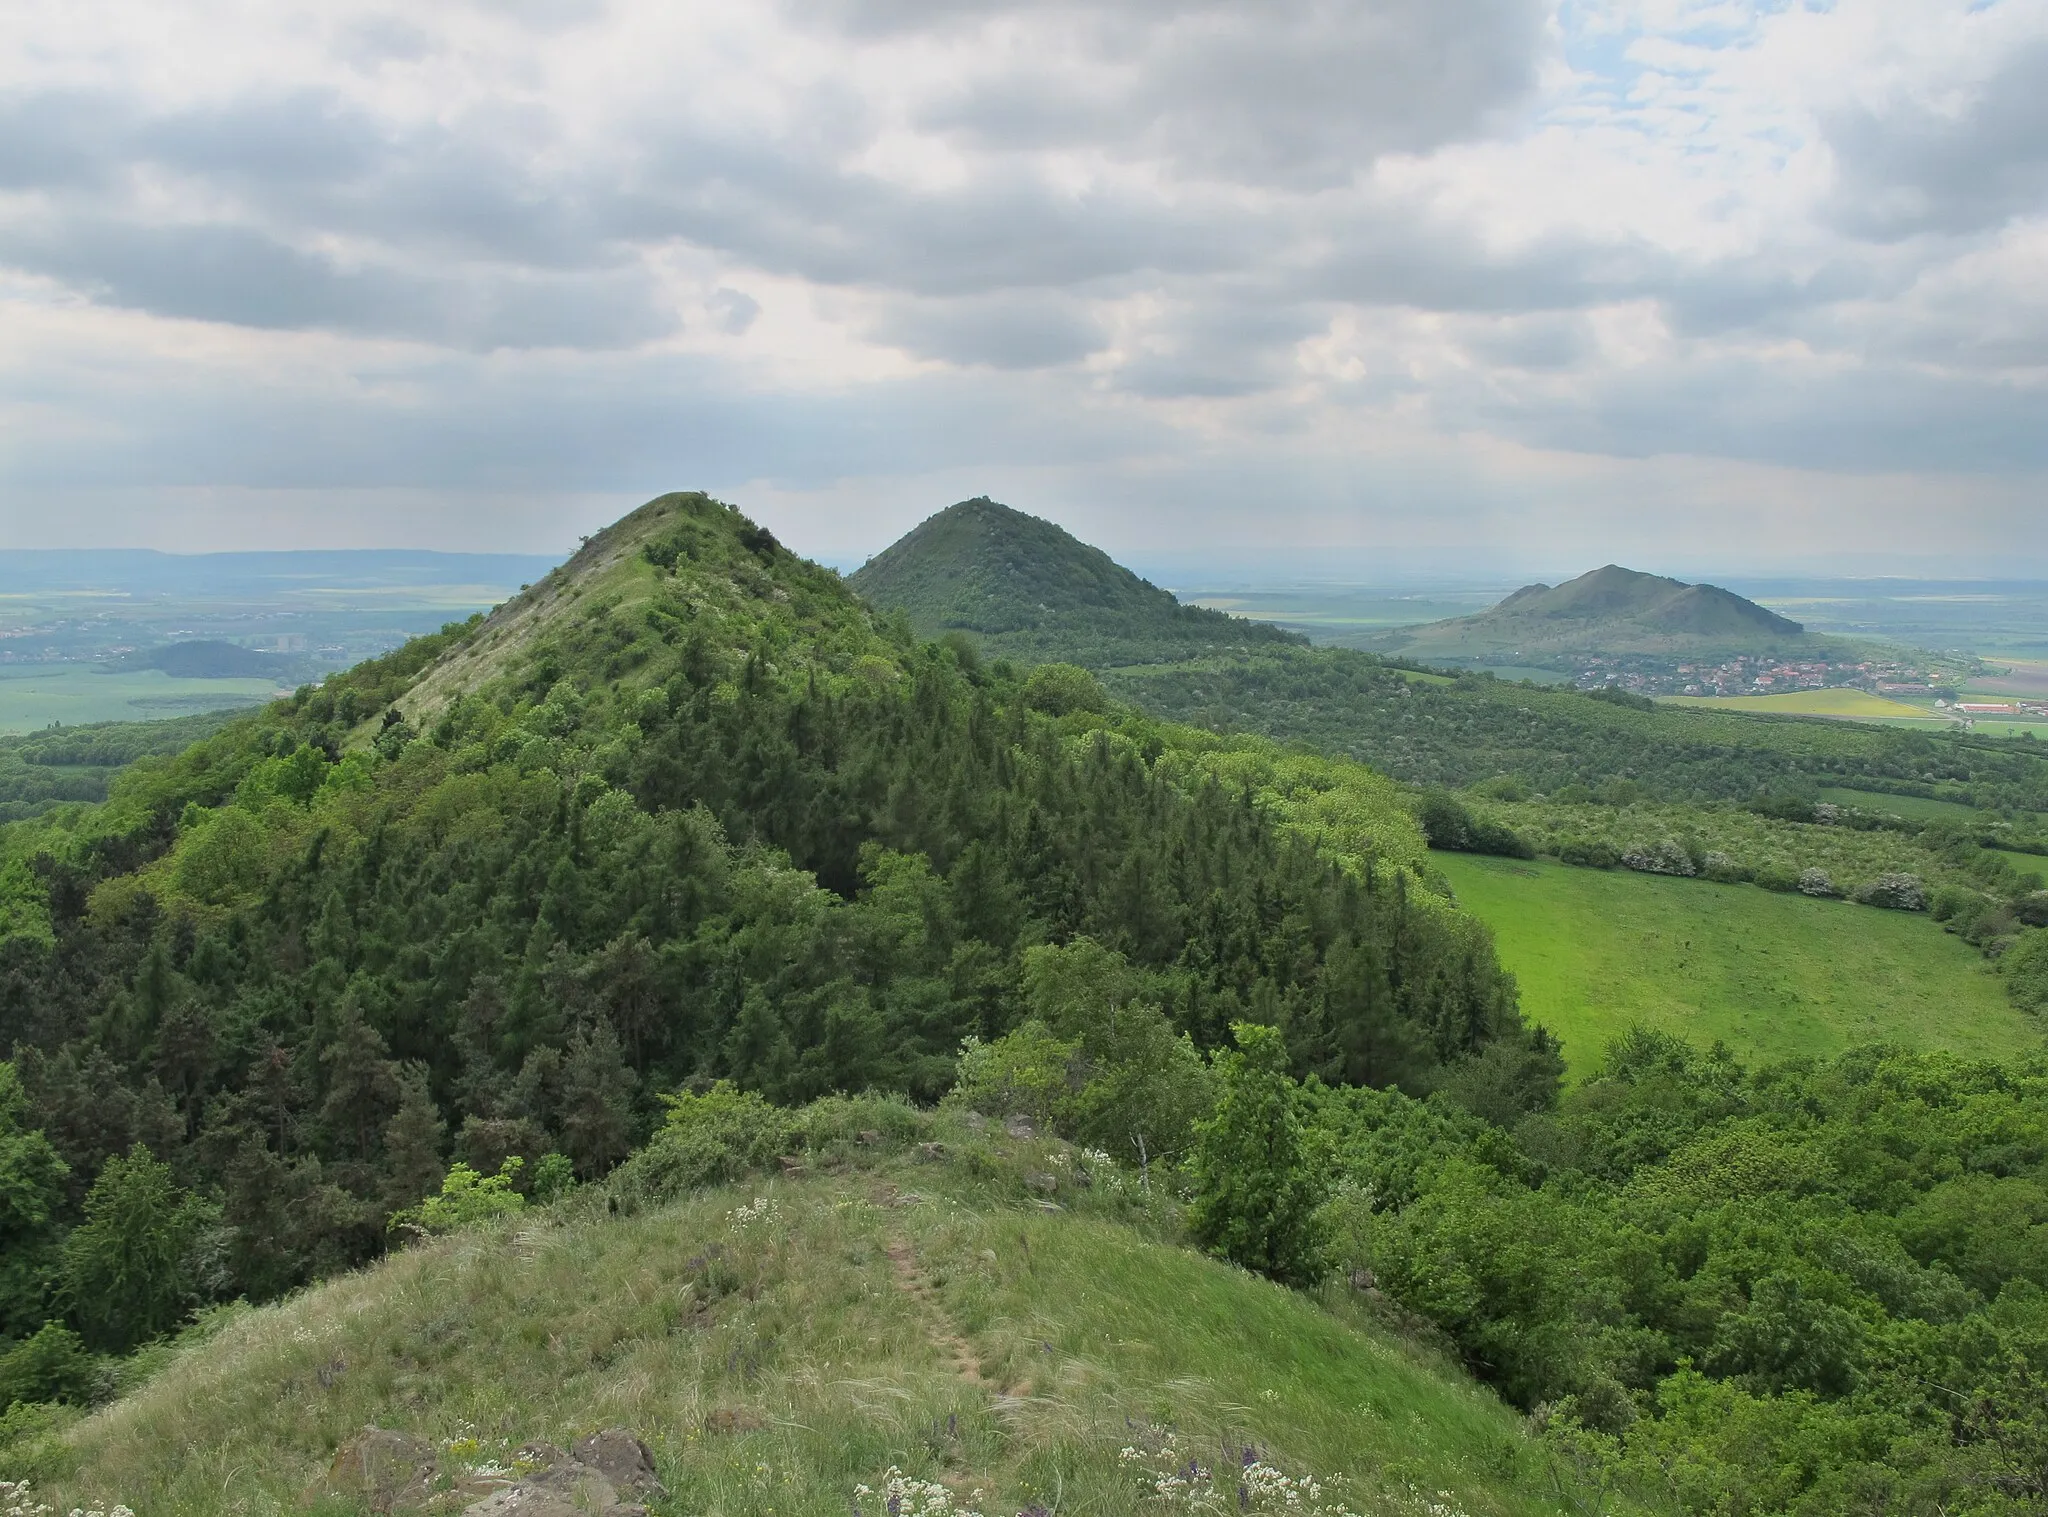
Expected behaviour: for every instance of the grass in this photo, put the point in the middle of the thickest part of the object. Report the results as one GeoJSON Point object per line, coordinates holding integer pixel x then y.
{"type": "Point", "coordinates": [1774, 976]}
{"type": "Point", "coordinates": [32, 696]}
{"type": "Point", "coordinates": [2026, 863]}
{"type": "Point", "coordinates": [1858, 705]}
{"type": "Point", "coordinates": [961, 1332]}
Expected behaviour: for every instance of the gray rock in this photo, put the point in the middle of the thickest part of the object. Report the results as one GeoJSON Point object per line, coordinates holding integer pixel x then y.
{"type": "Point", "coordinates": [383, 1470]}
{"type": "Point", "coordinates": [623, 1460]}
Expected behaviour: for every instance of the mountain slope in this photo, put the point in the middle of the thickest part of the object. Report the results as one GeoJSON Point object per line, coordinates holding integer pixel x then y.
{"type": "Point", "coordinates": [1611, 610]}
{"type": "Point", "coordinates": [897, 1313]}
{"type": "Point", "coordinates": [681, 812]}
{"type": "Point", "coordinates": [1028, 588]}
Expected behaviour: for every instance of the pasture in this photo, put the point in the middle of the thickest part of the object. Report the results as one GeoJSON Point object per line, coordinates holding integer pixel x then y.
{"type": "Point", "coordinates": [1773, 976]}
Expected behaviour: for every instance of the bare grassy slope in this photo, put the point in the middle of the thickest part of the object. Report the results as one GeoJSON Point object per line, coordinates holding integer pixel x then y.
{"type": "Point", "coordinates": [851, 1323]}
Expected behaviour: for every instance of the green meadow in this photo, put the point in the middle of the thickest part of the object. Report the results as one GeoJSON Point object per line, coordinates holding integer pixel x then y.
{"type": "Point", "coordinates": [1774, 976]}
{"type": "Point", "coordinates": [32, 696]}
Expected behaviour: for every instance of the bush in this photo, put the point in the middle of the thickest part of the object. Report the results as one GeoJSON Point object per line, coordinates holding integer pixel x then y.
{"type": "Point", "coordinates": [1776, 877]}
{"type": "Point", "coordinates": [1447, 824]}
{"type": "Point", "coordinates": [708, 1139]}
{"type": "Point", "coordinates": [1894, 892]}
{"type": "Point", "coordinates": [1060, 689]}
{"type": "Point", "coordinates": [1025, 1073]}
{"type": "Point", "coordinates": [466, 1198]}
{"type": "Point", "coordinates": [1666, 857]}
{"type": "Point", "coordinates": [53, 1365]}
{"type": "Point", "coordinates": [2026, 970]}
{"type": "Point", "coordinates": [1816, 882]}
{"type": "Point", "coordinates": [1589, 853]}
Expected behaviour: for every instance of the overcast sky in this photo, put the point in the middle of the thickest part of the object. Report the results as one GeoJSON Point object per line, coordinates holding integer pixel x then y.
{"type": "Point", "coordinates": [1685, 283]}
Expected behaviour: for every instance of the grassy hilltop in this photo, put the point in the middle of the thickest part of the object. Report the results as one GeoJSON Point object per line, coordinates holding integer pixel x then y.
{"type": "Point", "coordinates": [899, 1311]}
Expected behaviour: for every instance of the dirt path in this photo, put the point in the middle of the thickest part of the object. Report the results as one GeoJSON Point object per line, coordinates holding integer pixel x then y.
{"type": "Point", "coordinates": [911, 1280]}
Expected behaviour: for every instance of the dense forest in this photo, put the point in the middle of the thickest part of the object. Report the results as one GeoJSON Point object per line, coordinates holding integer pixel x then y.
{"type": "Point", "coordinates": [682, 812]}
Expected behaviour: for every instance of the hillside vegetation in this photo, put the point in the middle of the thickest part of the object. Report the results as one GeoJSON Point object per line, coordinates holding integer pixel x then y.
{"type": "Point", "coordinates": [60, 765]}
{"type": "Point", "coordinates": [680, 812]}
{"type": "Point", "coordinates": [1027, 589]}
{"type": "Point", "coordinates": [781, 1343]}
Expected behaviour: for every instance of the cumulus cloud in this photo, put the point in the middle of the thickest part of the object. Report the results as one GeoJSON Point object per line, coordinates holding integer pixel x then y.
{"type": "Point", "coordinates": [573, 243]}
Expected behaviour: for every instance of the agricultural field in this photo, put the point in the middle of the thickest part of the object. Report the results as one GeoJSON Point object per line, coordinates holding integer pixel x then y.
{"type": "Point", "coordinates": [1774, 976]}
{"type": "Point", "coordinates": [1854, 705]}
{"type": "Point", "coordinates": [33, 696]}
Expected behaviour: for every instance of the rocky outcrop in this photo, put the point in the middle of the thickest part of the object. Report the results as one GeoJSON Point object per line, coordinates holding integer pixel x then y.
{"type": "Point", "coordinates": [607, 1474]}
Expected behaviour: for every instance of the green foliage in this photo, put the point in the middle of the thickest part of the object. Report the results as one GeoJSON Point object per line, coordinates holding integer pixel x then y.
{"type": "Point", "coordinates": [41, 771]}
{"type": "Point", "coordinates": [52, 1364]}
{"type": "Point", "coordinates": [1792, 1284]}
{"type": "Point", "coordinates": [1257, 1177]}
{"type": "Point", "coordinates": [1448, 824]}
{"type": "Point", "coordinates": [465, 1199]}
{"type": "Point", "coordinates": [135, 1265]}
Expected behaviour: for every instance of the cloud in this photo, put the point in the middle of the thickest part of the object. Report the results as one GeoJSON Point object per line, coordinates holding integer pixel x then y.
{"type": "Point", "coordinates": [586, 244]}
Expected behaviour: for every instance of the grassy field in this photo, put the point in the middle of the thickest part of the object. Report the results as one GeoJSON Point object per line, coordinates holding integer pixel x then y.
{"type": "Point", "coordinates": [2025, 863]}
{"type": "Point", "coordinates": [32, 696]}
{"type": "Point", "coordinates": [1858, 705]}
{"type": "Point", "coordinates": [960, 1331]}
{"type": "Point", "coordinates": [1774, 976]}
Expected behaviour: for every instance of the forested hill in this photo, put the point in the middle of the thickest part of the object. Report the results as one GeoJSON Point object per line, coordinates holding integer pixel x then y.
{"type": "Point", "coordinates": [1030, 589]}
{"type": "Point", "coordinates": [684, 810]}
{"type": "Point", "coordinates": [1608, 611]}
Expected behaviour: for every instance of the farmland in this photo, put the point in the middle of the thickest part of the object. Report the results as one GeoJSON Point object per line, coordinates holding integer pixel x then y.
{"type": "Point", "coordinates": [32, 696]}
{"type": "Point", "coordinates": [1856, 705]}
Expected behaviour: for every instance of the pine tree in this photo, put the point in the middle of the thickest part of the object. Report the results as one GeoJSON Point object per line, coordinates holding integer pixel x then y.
{"type": "Point", "coordinates": [362, 1083]}
{"type": "Point", "coordinates": [413, 1156]}
{"type": "Point", "coordinates": [597, 1100]}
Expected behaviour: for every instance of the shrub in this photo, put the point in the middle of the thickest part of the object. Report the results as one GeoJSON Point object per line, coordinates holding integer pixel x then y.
{"type": "Point", "coordinates": [1059, 689]}
{"type": "Point", "coordinates": [708, 1139]}
{"type": "Point", "coordinates": [52, 1365]}
{"type": "Point", "coordinates": [1816, 882]}
{"type": "Point", "coordinates": [2026, 970]}
{"type": "Point", "coordinates": [1894, 892]}
{"type": "Point", "coordinates": [1666, 857]}
{"type": "Point", "coordinates": [466, 1198]}
{"type": "Point", "coordinates": [1776, 877]}
{"type": "Point", "coordinates": [1589, 853]}
{"type": "Point", "coordinates": [1027, 1072]}
{"type": "Point", "coordinates": [1447, 824]}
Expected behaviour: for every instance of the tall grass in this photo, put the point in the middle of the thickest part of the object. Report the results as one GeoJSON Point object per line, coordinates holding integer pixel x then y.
{"type": "Point", "coordinates": [921, 1315]}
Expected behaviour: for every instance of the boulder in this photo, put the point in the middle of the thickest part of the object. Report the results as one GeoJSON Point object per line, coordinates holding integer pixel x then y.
{"type": "Point", "coordinates": [383, 1470]}
{"type": "Point", "coordinates": [623, 1460]}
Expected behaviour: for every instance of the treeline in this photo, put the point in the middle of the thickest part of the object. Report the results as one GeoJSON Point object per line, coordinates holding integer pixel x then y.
{"type": "Point", "coordinates": [62, 765]}
{"type": "Point", "coordinates": [695, 823]}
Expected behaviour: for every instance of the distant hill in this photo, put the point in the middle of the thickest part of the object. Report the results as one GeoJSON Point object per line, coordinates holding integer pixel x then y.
{"type": "Point", "coordinates": [208, 659]}
{"type": "Point", "coordinates": [1609, 611]}
{"type": "Point", "coordinates": [1028, 588]}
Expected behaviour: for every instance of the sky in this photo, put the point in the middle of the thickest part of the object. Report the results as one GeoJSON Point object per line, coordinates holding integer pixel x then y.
{"type": "Point", "coordinates": [1293, 284]}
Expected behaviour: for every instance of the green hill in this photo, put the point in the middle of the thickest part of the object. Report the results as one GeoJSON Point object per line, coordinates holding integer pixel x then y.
{"type": "Point", "coordinates": [1027, 588]}
{"type": "Point", "coordinates": [1611, 611]}
{"type": "Point", "coordinates": [901, 1312]}
{"type": "Point", "coordinates": [681, 812]}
